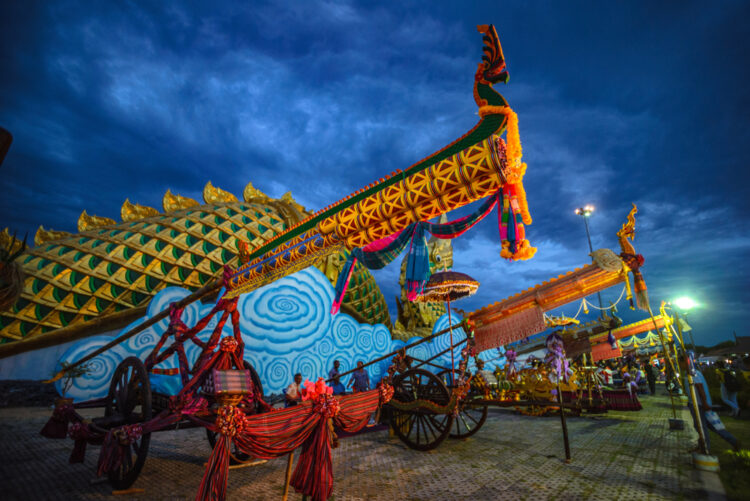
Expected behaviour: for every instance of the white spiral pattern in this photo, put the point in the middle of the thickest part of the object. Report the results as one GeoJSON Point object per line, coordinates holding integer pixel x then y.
{"type": "Point", "coordinates": [277, 375]}
{"type": "Point", "coordinates": [344, 330]}
{"type": "Point", "coordinates": [142, 343]}
{"type": "Point", "coordinates": [289, 314]}
{"type": "Point", "coordinates": [309, 365]}
{"type": "Point", "coordinates": [286, 326]}
{"type": "Point", "coordinates": [363, 339]}
{"type": "Point", "coordinates": [381, 339]}
{"type": "Point", "coordinates": [96, 383]}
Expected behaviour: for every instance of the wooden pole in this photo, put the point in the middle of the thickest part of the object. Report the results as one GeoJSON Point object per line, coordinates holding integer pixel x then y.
{"type": "Point", "coordinates": [668, 357]}
{"type": "Point", "coordinates": [450, 323]}
{"type": "Point", "coordinates": [288, 476]}
{"type": "Point", "coordinates": [203, 291]}
{"type": "Point", "coordinates": [564, 424]}
{"type": "Point", "coordinates": [388, 355]}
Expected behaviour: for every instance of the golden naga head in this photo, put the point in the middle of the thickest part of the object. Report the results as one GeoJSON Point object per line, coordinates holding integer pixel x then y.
{"type": "Point", "coordinates": [492, 68]}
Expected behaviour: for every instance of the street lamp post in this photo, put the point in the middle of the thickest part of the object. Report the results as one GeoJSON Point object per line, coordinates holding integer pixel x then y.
{"type": "Point", "coordinates": [684, 304]}
{"type": "Point", "coordinates": [585, 212]}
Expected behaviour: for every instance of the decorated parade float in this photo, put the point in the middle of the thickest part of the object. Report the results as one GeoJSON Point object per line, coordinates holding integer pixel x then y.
{"type": "Point", "coordinates": [180, 363]}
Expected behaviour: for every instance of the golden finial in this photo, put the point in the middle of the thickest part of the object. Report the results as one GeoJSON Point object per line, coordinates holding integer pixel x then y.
{"type": "Point", "coordinates": [172, 202]}
{"type": "Point", "coordinates": [133, 212]}
{"type": "Point", "coordinates": [86, 222]}
{"type": "Point", "coordinates": [213, 195]}
{"type": "Point", "coordinates": [287, 197]}
{"type": "Point", "coordinates": [43, 236]}
{"type": "Point", "coordinates": [11, 244]}
{"type": "Point", "coordinates": [628, 232]}
{"type": "Point", "coordinates": [253, 194]}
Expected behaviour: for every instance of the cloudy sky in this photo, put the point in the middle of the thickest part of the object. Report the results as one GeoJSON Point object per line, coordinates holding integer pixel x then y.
{"type": "Point", "coordinates": [618, 102]}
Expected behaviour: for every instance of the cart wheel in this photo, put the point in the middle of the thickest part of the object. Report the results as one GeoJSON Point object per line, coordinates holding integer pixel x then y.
{"type": "Point", "coordinates": [235, 455]}
{"type": "Point", "coordinates": [471, 416]}
{"type": "Point", "coordinates": [420, 429]}
{"type": "Point", "coordinates": [129, 398]}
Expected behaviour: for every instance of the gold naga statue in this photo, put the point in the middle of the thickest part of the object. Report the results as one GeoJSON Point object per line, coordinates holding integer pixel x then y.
{"type": "Point", "coordinates": [109, 270]}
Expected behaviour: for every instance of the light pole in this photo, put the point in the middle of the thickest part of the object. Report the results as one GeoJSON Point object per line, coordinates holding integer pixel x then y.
{"type": "Point", "coordinates": [685, 304]}
{"type": "Point", "coordinates": [585, 212]}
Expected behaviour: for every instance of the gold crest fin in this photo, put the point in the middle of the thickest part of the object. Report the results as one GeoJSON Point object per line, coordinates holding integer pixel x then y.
{"type": "Point", "coordinates": [213, 195]}
{"type": "Point", "coordinates": [253, 194]}
{"type": "Point", "coordinates": [287, 197]}
{"type": "Point", "coordinates": [86, 222]}
{"type": "Point", "coordinates": [43, 236]}
{"type": "Point", "coordinates": [172, 202]}
{"type": "Point", "coordinates": [133, 212]}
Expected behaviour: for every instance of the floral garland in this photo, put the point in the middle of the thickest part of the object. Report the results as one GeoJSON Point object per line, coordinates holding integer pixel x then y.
{"type": "Point", "coordinates": [514, 154]}
{"type": "Point", "coordinates": [230, 421]}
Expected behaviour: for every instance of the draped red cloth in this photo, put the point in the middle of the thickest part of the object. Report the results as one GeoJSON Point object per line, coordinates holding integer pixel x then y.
{"type": "Point", "coordinates": [277, 433]}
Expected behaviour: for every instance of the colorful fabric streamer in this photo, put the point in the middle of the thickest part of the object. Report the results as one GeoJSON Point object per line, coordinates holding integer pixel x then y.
{"type": "Point", "coordinates": [378, 254]}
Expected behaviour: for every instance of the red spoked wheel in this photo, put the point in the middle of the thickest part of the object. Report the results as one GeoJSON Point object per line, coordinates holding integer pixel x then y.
{"type": "Point", "coordinates": [129, 402]}
{"type": "Point", "coordinates": [471, 416]}
{"type": "Point", "coordinates": [420, 428]}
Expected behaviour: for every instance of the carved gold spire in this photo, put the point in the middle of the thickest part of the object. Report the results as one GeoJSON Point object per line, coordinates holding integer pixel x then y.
{"type": "Point", "coordinates": [213, 195]}
{"type": "Point", "coordinates": [287, 197]}
{"type": "Point", "coordinates": [172, 202]}
{"type": "Point", "coordinates": [253, 194]}
{"type": "Point", "coordinates": [133, 212]}
{"type": "Point", "coordinates": [10, 243]}
{"type": "Point", "coordinates": [43, 236]}
{"type": "Point", "coordinates": [628, 232]}
{"type": "Point", "coordinates": [86, 222]}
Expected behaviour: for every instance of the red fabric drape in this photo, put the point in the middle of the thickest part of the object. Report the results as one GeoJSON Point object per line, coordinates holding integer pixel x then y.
{"type": "Point", "coordinates": [280, 432]}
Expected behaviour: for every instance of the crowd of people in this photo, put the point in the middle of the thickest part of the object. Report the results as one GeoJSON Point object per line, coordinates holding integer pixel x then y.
{"type": "Point", "coordinates": [359, 381]}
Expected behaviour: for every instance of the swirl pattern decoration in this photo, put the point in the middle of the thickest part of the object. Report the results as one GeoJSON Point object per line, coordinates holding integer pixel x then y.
{"type": "Point", "coordinates": [286, 326]}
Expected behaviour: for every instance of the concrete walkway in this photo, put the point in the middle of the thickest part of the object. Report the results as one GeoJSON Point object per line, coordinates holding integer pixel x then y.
{"type": "Point", "coordinates": [620, 455]}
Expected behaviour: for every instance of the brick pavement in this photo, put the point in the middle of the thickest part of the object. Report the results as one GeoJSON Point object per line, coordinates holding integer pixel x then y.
{"type": "Point", "coordinates": [615, 456]}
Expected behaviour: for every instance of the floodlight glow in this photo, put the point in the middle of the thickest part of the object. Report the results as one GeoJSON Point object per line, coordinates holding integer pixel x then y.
{"type": "Point", "coordinates": [684, 303]}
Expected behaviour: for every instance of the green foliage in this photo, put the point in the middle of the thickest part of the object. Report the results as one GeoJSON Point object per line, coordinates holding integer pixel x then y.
{"type": "Point", "coordinates": [734, 465]}
{"type": "Point", "coordinates": [70, 372]}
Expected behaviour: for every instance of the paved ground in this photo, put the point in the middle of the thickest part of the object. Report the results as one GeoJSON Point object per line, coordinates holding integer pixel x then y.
{"type": "Point", "coordinates": [615, 456]}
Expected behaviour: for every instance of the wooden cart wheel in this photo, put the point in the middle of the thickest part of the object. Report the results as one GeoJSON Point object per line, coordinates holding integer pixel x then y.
{"type": "Point", "coordinates": [421, 428]}
{"type": "Point", "coordinates": [471, 416]}
{"type": "Point", "coordinates": [235, 455]}
{"type": "Point", "coordinates": [129, 399]}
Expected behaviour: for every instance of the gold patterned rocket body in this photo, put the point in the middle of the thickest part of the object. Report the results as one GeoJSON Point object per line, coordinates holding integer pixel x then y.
{"type": "Point", "coordinates": [111, 267]}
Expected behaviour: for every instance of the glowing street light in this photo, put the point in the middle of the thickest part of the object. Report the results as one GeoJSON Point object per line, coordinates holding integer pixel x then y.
{"type": "Point", "coordinates": [685, 303]}
{"type": "Point", "coordinates": [585, 212]}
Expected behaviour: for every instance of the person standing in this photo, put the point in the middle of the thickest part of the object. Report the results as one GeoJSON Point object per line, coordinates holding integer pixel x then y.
{"type": "Point", "coordinates": [730, 385]}
{"type": "Point", "coordinates": [293, 392]}
{"type": "Point", "coordinates": [333, 375]}
{"type": "Point", "coordinates": [708, 418]}
{"type": "Point", "coordinates": [651, 378]}
{"type": "Point", "coordinates": [360, 380]}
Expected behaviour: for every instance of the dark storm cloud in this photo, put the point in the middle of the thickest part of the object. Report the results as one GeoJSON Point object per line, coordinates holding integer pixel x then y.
{"type": "Point", "coordinates": [623, 103]}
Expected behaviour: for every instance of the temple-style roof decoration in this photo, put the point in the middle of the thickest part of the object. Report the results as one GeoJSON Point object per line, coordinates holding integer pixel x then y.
{"type": "Point", "coordinates": [111, 268]}
{"type": "Point", "coordinates": [87, 223]}
{"type": "Point", "coordinates": [633, 329]}
{"type": "Point", "coordinates": [213, 195]}
{"type": "Point", "coordinates": [553, 293]}
{"type": "Point", "coordinates": [43, 236]}
{"type": "Point", "coordinates": [134, 212]}
{"type": "Point", "coordinates": [172, 202]}
{"type": "Point", "coordinates": [252, 194]}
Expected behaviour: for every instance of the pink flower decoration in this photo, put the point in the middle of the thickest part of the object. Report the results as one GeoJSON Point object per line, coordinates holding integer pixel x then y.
{"type": "Point", "coordinates": [313, 391]}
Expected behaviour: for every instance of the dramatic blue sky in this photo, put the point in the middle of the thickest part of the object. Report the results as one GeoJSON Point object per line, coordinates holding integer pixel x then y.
{"type": "Point", "coordinates": [619, 102]}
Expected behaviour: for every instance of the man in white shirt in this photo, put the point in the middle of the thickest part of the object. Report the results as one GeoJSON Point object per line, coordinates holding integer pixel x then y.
{"type": "Point", "coordinates": [294, 391]}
